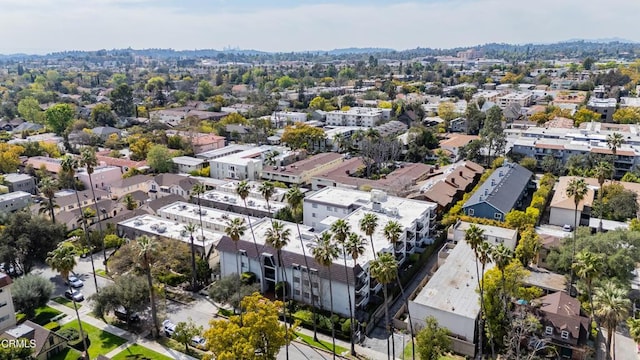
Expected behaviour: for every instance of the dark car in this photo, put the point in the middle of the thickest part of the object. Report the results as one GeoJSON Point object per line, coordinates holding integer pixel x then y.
{"type": "Point", "coordinates": [121, 314]}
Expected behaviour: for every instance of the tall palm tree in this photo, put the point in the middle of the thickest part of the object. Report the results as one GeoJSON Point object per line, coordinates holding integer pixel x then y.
{"type": "Point", "coordinates": [603, 170]}
{"type": "Point", "coordinates": [267, 190]}
{"type": "Point", "coordinates": [577, 189]}
{"type": "Point", "coordinates": [384, 270]}
{"type": "Point", "coordinates": [355, 247]}
{"type": "Point", "coordinates": [587, 266]}
{"type": "Point", "coordinates": [341, 230]}
{"type": "Point", "coordinates": [199, 189]}
{"type": "Point", "coordinates": [324, 252]}
{"type": "Point", "coordinates": [634, 329]}
{"type": "Point", "coordinates": [294, 198]}
{"type": "Point", "coordinates": [69, 165]}
{"type": "Point", "coordinates": [392, 231]}
{"type": "Point", "coordinates": [63, 259]}
{"type": "Point", "coordinates": [278, 237]}
{"type": "Point", "coordinates": [243, 189]}
{"type": "Point", "coordinates": [129, 202]}
{"type": "Point", "coordinates": [147, 249]}
{"type": "Point", "coordinates": [368, 225]}
{"type": "Point", "coordinates": [614, 142]}
{"type": "Point", "coordinates": [48, 188]}
{"type": "Point", "coordinates": [611, 306]}
{"type": "Point", "coordinates": [89, 161]}
{"type": "Point", "coordinates": [191, 228]}
{"type": "Point", "coordinates": [502, 256]}
{"type": "Point", "coordinates": [235, 230]}
{"type": "Point", "coordinates": [474, 237]}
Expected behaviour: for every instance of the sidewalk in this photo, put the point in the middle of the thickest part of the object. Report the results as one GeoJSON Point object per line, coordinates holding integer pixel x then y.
{"type": "Point", "coordinates": [361, 351]}
{"type": "Point", "coordinates": [131, 338]}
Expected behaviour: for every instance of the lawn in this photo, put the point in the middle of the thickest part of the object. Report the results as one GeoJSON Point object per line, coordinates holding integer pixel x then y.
{"type": "Point", "coordinates": [44, 315]}
{"type": "Point", "coordinates": [67, 354]}
{"type": "Point", "coordinates": [66, 302]}
{"type": "Point", "coordinates": [325, 345]}
{"type": "Point", "coordinates": [101, 342]}
{"type": "Point", "coordinates": [407, 354]}
{"type": "Point", "coordinates": [101, 272]}
{"type": "Point", "coordinates": [138, 352]}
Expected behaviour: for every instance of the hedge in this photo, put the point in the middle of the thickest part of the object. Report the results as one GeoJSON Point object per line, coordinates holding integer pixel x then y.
{"type": "Point", "coordinates": [53, 326]}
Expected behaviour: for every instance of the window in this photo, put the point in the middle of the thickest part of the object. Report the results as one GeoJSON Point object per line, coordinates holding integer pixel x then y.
{"type": "Point", "coordinates": [315, 285]}
{"type": "Point", "coordinates": [548, 330]}
{"type": "Point", "coordinates": [3, 304]}
{"type": "Point", "coordinates": [497, 216]}
{"type": "Point", "coordinates": [4, 318]}
{"type": "Point", "coordinates": [314, 205]}
{"type": "Point", "coordinates": [313, 214]}
{"type": "Point", "coordinates": [296, 279]}
{"type": "Point", "coordinates": [564, 335]}
{"type": "Point", "coordinates": [297, 292]}
{"type": "Point", "coordinates": [470, 211]}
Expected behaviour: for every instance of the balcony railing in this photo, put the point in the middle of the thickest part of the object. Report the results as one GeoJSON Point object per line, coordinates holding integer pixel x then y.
{"type": "Point", "coordinates": [361, 301]}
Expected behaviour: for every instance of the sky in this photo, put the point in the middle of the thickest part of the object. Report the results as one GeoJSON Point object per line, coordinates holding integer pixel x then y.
{"type": "Point", "coordinates": [42, 26]}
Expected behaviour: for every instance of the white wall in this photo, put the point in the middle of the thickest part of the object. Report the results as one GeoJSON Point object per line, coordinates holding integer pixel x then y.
{"type": "Point", "coordinates": [7, 311]}
{"type": "Point", "coordinates": [561, 217]}
{"type": "Point", "coordinates": [458, 325]}
{"type": "Point", "coordinates": [321, 212]}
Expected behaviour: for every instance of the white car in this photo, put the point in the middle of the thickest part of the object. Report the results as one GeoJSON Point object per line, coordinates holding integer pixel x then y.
{"type": "Point", "coordinates": [199, 342]}
{"type": "Point", "coordinates": [75, 282]}
{"type": "Point", "coordinates": [169, 327]}
{"type": "Point", "coordinates": [567, 228]}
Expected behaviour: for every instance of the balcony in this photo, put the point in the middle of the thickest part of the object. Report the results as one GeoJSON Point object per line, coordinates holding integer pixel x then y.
{"type": "Point", "coordinates": [399, 248]}
{"type": "Point", "coordinates": [361, 287]}
{"type": "Point", "coordinates": [361, 301]}
{"type": "Point", "coordinates": [419, 226]}
{"type": "Point", "coordinates": [375, 286]}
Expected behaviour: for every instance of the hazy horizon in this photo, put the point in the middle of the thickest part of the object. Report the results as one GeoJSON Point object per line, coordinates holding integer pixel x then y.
{"type": "Point", "coordinates": [45, 26]}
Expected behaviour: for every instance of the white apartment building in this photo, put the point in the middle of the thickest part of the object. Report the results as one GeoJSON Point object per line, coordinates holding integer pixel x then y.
{"type": "Point", "coordinates": [14, 201]}
{"type": "Point", "coordinates": [358, 116]}
{"type": "Point", "coordinates": [225, 151]}
{"type": "Point", "coordinates": [7, 311]}
{"type": "Point", "coordinates": [187, 164]}
{"type": "Point", "coordinates": [521, 98]}
{"type": "Point", "coordinates": [243, 165]}
{"type": "Point", "coordinates": [281, 118]}
{"type": "Point", "coordinates": [493, 235]}
{"type": "Point", "coordinates": [213, 220]}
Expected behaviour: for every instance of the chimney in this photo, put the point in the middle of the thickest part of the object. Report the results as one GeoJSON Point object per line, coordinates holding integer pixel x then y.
{"type": "Point", "coordinates": [453, 180]}
{"type": "Point", "coordinates": [486, 192]}
{"type": "Point", "coordinates": [461, 173]}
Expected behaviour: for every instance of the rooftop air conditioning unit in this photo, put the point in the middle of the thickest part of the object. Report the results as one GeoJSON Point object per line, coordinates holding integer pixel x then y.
{"type": "Point", "coordinates": [137, 222]}
{"type": "Point", "coordinates": [162, 229]}
{"type": "Point", "coordinates": [154, 226]}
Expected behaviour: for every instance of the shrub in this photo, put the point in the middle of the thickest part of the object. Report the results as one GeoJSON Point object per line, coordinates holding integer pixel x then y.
{"type": "Point", "coordinates": [304, 316]}
{"type": "Point", "coordinates": [21, 317]}
{"type": "Point", "coordinates": [225, 312]}
{"type": "Point", "coordinates": [346, 326]}
{"type": "Point", "coordinates": [112, 241]}
{"type": "Point", "coordinates": [248, 278]}
{"type": "Point", "coordinates": [172, 279]}
{"type": "Point", "coordinates": [53, 326]}
{"type": "Point", "coordinates": [70, 334]}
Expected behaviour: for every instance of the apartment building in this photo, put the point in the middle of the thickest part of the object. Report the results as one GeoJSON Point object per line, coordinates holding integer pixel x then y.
{"type": "Point", "coordinates": [20, 182]}
{"type": "Point", "coordinates": [302, 171]}
{"type": "Point", "coordinates": [14, 201]}
{"type": "Point", "coordinates": [281, 118]}
{"type": "Point", "coordinates": [520, 98]}
{"type": "Point", "coordinates": [7, 311]}
{"type": "Point", "coordinates": [366, 117]}
{"type": "Point", "coordinates": [101, 177]}
{"type": "Point", "coordinates": [603, 106]}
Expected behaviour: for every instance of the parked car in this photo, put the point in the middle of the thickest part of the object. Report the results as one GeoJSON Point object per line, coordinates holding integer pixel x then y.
{"type": "Point", "coordinates": [169, 327]}
{"type": "Point", "coordinates": [75, 282]}
{"type": "Point", "coordinates": [121, 314]}
{"type": "Point", "coordinates": [73, 294]}
{"type": "Point", "coordinates": [199, 342]}
{"type": "Point", "coordinates": [10, 270]}
{"type": "Point", "coordinates": [567, 228]}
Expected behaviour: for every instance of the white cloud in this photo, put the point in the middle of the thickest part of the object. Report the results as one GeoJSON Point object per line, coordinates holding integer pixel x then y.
{"type": "Point", "coordinates": [46, 25]}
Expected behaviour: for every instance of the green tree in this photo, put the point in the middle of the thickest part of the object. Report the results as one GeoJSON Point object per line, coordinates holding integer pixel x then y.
{"type": "Point", "coordinates": [628, 115]}
{"type": "Point", "coordinates": [235, 229]}
{"type": "Point", "coordinates": [205, 90]}
{"type": "Point", "coordinates": [368, 225]}
{"type": "Point", "coordinates": [529, 163]}
{"type": "Point", "coordinates": [89, 160]}
{"type": "Point", "coordinates": [48, 187]}
{"type": "Point", "coordinates": [611, 306]}
{"type": "Point", "coordinates": [302, 136]}
{"type": "Point", "coordinates": [576, 189]}
{"type": "Point", "coordinates": [63, 260]}
{"type": "Point", "coordinates": [243, 189]}
{"type": "Point", "coordinates": [634, 329]}
{"type": "Point", "coordinates": [29, 109]}
{"type": "Point", "coordinates": [185, 331]}
{"type": "Point", "coordinates": [325, 253]}
{"type": "Point", "coordinates": [501, 257]}
{"type": "Point", "coordinates": [341, 231]}
{"type": "Point", "coordinates": [122, 99]}
{"type": "Point", "coordinates": [31, 292]}
{"type": "Point", "coordinates": [432, 341]}
{"type": "Point", "coordinates": [385, 269]}
{"type": "Point", "coordinates": [602, 171]}
{"type": "Point", "coordinates": [101, 115]}
{"type": "Point", "coordinates": [191, 228]}
{"type": "Point", "coordinates": [587, 266]}
{"type": "Point", "coordinates": [59, 116]}
{"type": "Point", "coordinates": [585, 115]}
{"type": "Point", "coordinates": [16, 353]}
{"type": "Point", "coordinates": [226, 291]}
{"type": "Point", "coordinates": [260, 335]}
{"type": "Point", "coordinates": [147, 251]}
{"type": "Point", "coordinates": [528, 246]}
{"type": "Point", "coordinates": [492, 133]}
{"type": "Point", "coordinates": [159, 159]}
{"type": "Point", "coordinates": [614, 142]}
{"type": "Point", "coordinates": [285, 82]}
{"type": "Point", "coordinates": [447, 111]}
{"type": "Point", "coordinates": [129, 202]}
{"type": "Point", "coordinates": [474, 236]}
{"type": "Point", "coordinates": [278, 237]}
{"type": "Point", "coordinates": [118, 79]}
{"type": "Point", "coordinates": [128, 292]}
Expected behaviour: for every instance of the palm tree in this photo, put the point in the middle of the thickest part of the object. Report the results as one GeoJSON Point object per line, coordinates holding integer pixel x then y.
{"type": "Point", "coordinates": [634, 329]}
{"type": "Point", "coordinates": [278, 237]}
{"type": "Point", "coordinates": [235, 230]}
{"type": "Point", "coordinates": [294, 198]}
{"type": "Point", "coordinates": [392, 231]}
{"type": "Point", "coordinates": [341, 230]}
{"type": "Point", "coordinates": [577, 189]}
{"type": "Point", "coordinates": [368, 225]}
{"type": "Point", "coordinates": [129, 202]}
{"type": "Point", "coordinates": [355, 247]}
{"type": "Point", "coordinates": [69, 165]}
{"type": "Point", "coordinates": [474, 237]}
{"type": "Point", "coordinates": [611, 306]}
{"type": "Point", "coordinates": [384, 270]}
{"type": "Point", "coordinates": [324, 252]}
{"type": "Point", "coordinates": [243, 189]}
{"type": "Point", "coordinates": [199, 189]}
{"type": "Point", "coordinates": [267, 190]}
{"type": "Point", "coordinates": [502, 256]}
{"type": "Point", "coordinates": [147, 248]}
{"type": "Point", "coordinates": [603, 170]}
{"type": "Point", "coordinates": [191, 228]}
{"type": "Point", "coordinates": [63, 259]}
{"type": "Point", "coordinates": [614, 142]}
{"type": "Point", "coordinates": [48, 187]}
{"type": "Point", "coordinates": [89, 161]}
{"type": "Point", "coordinates": [587, 266]}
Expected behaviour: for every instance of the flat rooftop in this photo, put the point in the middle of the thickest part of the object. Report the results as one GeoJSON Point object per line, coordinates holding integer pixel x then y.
{"type": "Point", "coordinates": [157, 226]}
{"type": "Point", "coordinates": [16, 177]}
{"type": "Point", "coordinates": [254, 190]}
{"type": "Point", "coordinates": [489, 230]}
{"type": "Point", "coordinates": [307, 164]}
{"type": "Point", "coordinates": [213, 219]}
{"type": "Point", "coordinates": [14, 195]}
{"type": "Point", "coordinates": [453, 287]}
{"type": "Point", "coordinates": [187, 160]}
{"type": "Point", "coordinates": [234, 199]}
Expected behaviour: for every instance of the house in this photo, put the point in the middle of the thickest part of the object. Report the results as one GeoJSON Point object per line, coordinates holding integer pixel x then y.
{"type": "Point", "coordinates": [451, 297]}
{"type": "Point", "coordinates": [502, 192]}
{"type": "Point", "coordinates": [44, 342]}
{"type": "Point", "coordinates": [102, 209]}
{"type": "Point", "coordinates": [165, 184]}
{"type": "Point", "coordinates": [7, 311]}
{"type": "Point", "coordinates": [122, 187]}
{"type": "Point", "coordinates": [229, 201]}
{"type": "Point", "coordinates": [450, 186]}
{"type": "Point", "coordinates": [51, 165]}
{"type": "Point", "coordinates": [188, 164]}
{"type": "Point", "coordinates": [281, 118]}
{"type": "Point", "coordinates": [455, 142]}
{"type": "Point", "coordinates": [200, 142]}
{"type": "Point", "coordinates": [563, 208]}
{"type": "Point", "coordinates": [14, 201]}
{"type": "Point", "coordinates": [67, 200]}
{"type": "Point", "coordinates": [101, 177]}
{"type": "Point", "coordinates": [564, 324]}
{"type": "Point", "coordinates": [104, 132]}
{"type": "Point", "coordinates": [123, 164]}
{"type": "Point", "coordinates": [458, 125]}
{"type": "Point", "coordinates": [302, 171]}
{"type": "Point", "coordinates": [20, 182]}
{"type": "Point", "coordinates": [493, 235]}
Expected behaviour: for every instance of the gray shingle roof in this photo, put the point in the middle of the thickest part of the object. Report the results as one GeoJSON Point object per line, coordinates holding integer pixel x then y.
{"type": "Point", "coordinates": [503, 188]}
